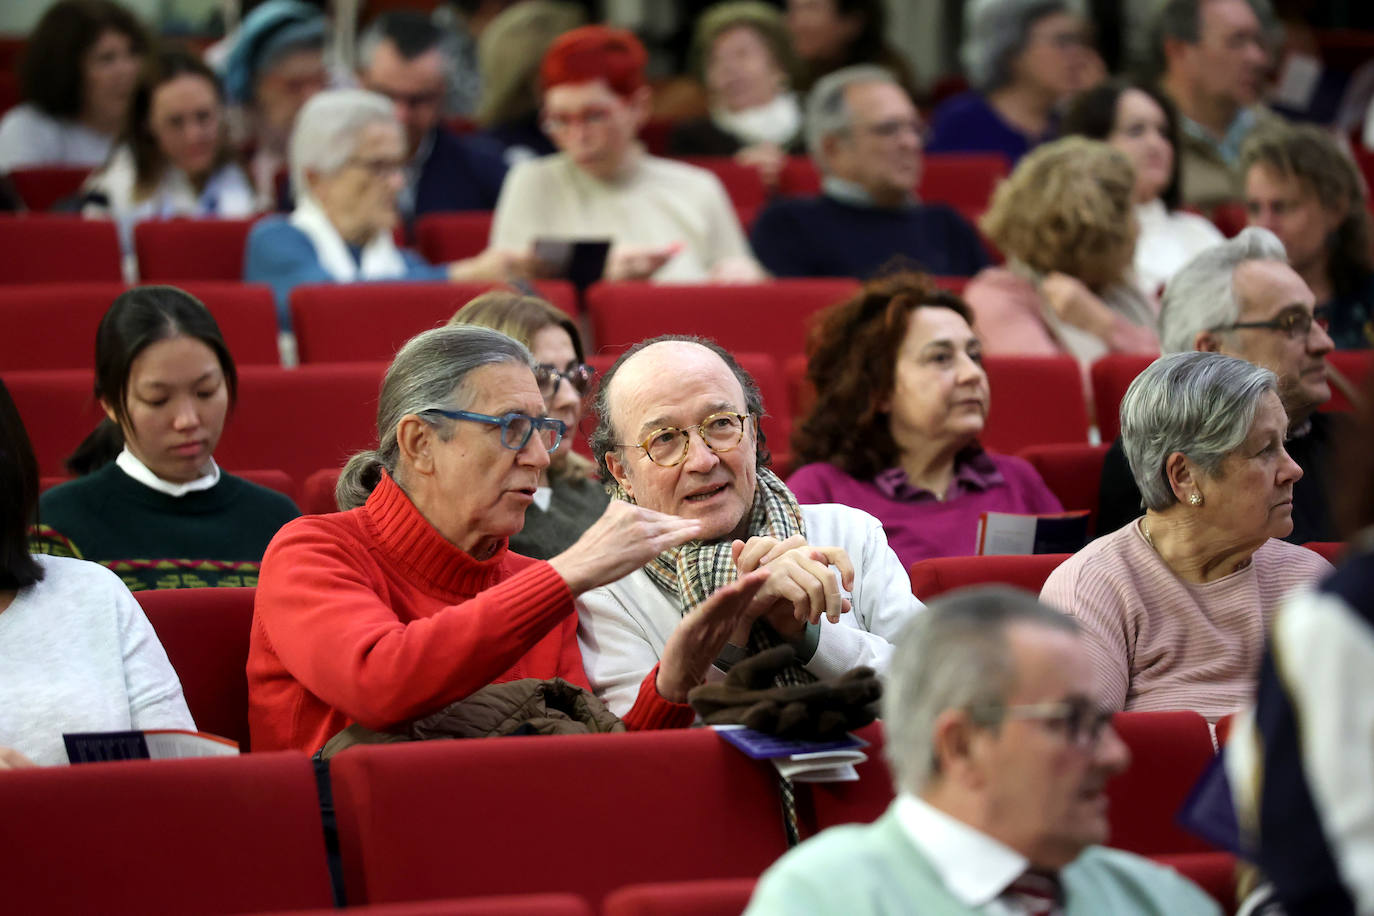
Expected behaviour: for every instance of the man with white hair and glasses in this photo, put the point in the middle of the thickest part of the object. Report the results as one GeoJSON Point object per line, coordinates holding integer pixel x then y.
{"type": "Point", "coordinates": [1001, 756]}
{"type": "Point", "coordinates": [1242, 299]}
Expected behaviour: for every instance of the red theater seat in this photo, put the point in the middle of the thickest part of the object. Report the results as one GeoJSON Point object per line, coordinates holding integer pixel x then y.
{"type": "Point", "coordinates": [1072, 471]}
{"type": "Point", "coordinates": [443, 237]}
{"type": "Point", "coordinates": [507, 905]}
{"type": "Point", "coordinates": [1214, 872]}
{"type": "Point", "coordinates": [1330, 551]}
{"type": "Point", "coordinates": [205, 632]}
{"type": "Point", "coordinates": [1035, 400]}
{"type": "Point", "coordinates": [370, 321]}
{"type": "Point", "coordinates": [859, 802]}
{"type": "Point", "coordinates": [930, 578]}
{"type": "Point", "coordinates": [42, 248]}
{"type": "Point", "coordinates": [1169, 751]}
{"type": "Point", "coordinates": [1111, 376]}
{"type": "Point", "coordinates": [1354, 365]}
{"type": "Point", "coordinates": [432, 819]}
{"type": "Point", "coordinates": [721, 897]}
{"type": "Point", "coordinates": [53, 325]}
{"type": "Point", "coordinates": [742, 182]}
{"type": "Point", "coordinates": [170, 251]}
{"type": "Point", "coordinates": [317, 493]}
{"type": "Point", "coordinates": [177, 837]}
{"type": "Point", "coordinates": [764, 318]}
{"type": "Point", "coordinates": [58, 410]}
{"type": "Point", "coordinates": [42, 186]}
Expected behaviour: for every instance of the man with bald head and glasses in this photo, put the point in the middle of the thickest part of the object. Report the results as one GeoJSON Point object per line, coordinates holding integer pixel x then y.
{"type": "Point", "coordinates": [1241, 298]}
{"type": "Point", "coordinates": [864, 134]}
{"type": "Point", "coordinates": [1001, 755]}
{"type": "Point", "coordinates": [678, 433]}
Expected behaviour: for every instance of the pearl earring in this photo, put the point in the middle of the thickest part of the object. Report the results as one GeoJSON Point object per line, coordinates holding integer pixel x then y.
{"type": "Point", "coordinates": [1195, 500]}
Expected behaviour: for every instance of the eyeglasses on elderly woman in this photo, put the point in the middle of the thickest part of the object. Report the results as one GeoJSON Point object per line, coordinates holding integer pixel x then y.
{"type": "Point", "coordinates": [516, 428]}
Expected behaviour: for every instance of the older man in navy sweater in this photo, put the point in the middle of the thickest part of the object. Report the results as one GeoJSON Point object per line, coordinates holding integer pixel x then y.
{"type": "Point", "coordinates": [865, 136]}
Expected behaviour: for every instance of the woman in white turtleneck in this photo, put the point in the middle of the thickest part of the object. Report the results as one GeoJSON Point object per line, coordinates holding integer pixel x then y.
{"type": "Point", "coordinates": [1142, 124]}
{"type": "Point", "coordinates": [742, 54]}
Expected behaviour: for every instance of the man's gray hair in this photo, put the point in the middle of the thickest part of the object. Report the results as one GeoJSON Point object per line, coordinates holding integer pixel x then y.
{"type": "Point", "coordinates": [1198, 403]}
{"type": "Point", "coordinates": [826, 111]}
{"type": "Point", "coordinates": [604, 437]}
{"type": "Point", "coordinates": [431, 370]}
{"type": "Point", "coordinates": [995, 34]}
{"type": "Point", "coordinates": [1202, 294]}
{"type": "Point", "coordinates": [326, 133]}
{"type": "Point", "coordinates": [953, 655]}
{"type": "Point", "coordinates": [1182, 20]}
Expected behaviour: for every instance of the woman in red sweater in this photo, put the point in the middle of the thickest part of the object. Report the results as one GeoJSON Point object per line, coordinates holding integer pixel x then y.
{"type": "Point", "coordinates": [411, 600]}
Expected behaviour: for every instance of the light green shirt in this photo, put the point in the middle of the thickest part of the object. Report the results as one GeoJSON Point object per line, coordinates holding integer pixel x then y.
{"type": "Point", "coordinates": [875, 870]}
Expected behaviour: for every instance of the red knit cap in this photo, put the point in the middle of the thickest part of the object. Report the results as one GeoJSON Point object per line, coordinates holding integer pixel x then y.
{"type": "Point", "coordinates": [595, 52]}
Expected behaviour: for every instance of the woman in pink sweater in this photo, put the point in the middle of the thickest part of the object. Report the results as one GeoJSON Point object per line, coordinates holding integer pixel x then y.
{"type": "Point", "coordinates": [1176, 605]}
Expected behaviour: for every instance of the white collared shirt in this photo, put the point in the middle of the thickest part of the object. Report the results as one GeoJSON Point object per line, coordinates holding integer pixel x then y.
{"type": "Point", "coordinates": [140, 472]}
{"type": "Point", "coordinates": [973, 866]}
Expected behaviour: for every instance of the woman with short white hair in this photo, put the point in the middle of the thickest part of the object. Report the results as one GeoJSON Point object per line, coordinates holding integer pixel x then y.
{"type": "Point", "coordinates": [348, 161]}
{"type": "Point", "coordinates": [1176, 605]}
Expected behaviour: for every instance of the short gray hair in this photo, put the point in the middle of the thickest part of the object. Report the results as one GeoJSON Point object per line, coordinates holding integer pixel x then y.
{"type": "Point", "coordinates": [1182, 20]}
{"type": "Point", "coordinates": [1202, 294]}
{"type": "Point", "coordinates": [327, 128]}
{"type": "Point", "coordinates": [431, 370]}
{"type": "Point", "coordinates": [995, 34]}
{"type": "Point", "coordinates": [953, 655]}
{"type": "Point", "coordinates": [1198, 403]}
{"type": "Point", "coordinates": [826, 111]}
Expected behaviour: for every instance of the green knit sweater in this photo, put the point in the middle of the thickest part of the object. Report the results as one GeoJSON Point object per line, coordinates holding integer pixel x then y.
{"type": "Point", "coordinates": [152, 540]}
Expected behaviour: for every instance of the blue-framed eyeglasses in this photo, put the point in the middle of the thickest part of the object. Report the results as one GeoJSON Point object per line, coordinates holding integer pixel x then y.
{"type": "Point", "coordinates": [516, 428]}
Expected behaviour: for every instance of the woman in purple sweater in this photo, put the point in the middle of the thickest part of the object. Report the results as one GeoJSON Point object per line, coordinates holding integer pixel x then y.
{"type": "Point", "coordinates": [902, 399]}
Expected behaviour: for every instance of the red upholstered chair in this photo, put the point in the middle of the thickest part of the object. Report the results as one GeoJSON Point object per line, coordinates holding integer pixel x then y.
{"type": "Point", "coordinates": [1214, 872]}
{"type": "Point", "coordinates": [303, 419]}
{"type": "Point", "coordinates": [721, 897]}
{"type": "Point", "coordinates": [52, 325]}
{"type": "Point", "coordinates": [317, 493]}
{"type": "Point", "coordinates": [506, 905]}
{"type": "Point", "coordinates": [1354, 365]}
{"type": "Point", "coordinates": [443, 237]}
{"type": "Point", "coordinates": [1072, 471]}
{"type": "Point", "coordinates": [369, 321]}
{"type": "Point", "coordinates": [1169, 751]}
{"type": "Point", "coordinates": [205, 632]}
{"type": "Point", "coordinates": [1035, 400]}
{"type": "Point", "coordinates": [42, 248]}
{"type": "Point", "coordinates": [930, 578]}
{"type": "Point", "coordinates": [215, 835]}
{"type": "Point", "coordinates": [861, 802]}
{"type": "Point", "coordinates": [1330, 551]}
{"type": "Point", "coordinates": [175, 250]}
{"type": "Point", "coordinates": [742, 182]}
{"type": "Point", "coordinates": [58, 410]}
{"type": "Point", "coordinates": [42, 186]}
{"type": "Point", "coordinates": [1111, 376]}
{"type": "Point", "coordinates": [765, 318]}
{"type": "Point", "coordinates": [1223, 727]}
{"type": "Point", "coordinates": [436, 818]}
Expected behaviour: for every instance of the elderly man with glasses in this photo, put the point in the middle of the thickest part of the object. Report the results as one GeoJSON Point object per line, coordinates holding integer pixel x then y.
{"type": "Point", "coordinates": [678, 433]}
{"type": "Point", "coordinates": [1001, 757]}
{"type": "Point", "coordinates": [1242, 299]}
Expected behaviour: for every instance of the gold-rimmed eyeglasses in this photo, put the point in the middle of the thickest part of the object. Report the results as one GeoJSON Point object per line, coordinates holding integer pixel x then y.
{"type": "Point", "coordinates": [667, 445]}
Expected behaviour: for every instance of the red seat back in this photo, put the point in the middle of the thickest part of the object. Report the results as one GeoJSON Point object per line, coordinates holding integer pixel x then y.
{"type": "Point", "coordinates": [766, 318]}
{"type": "Point", "coordinates": [1354, 365]}
{"type": "Point", "coordinates": [1072, 471]}
{"type": "Point", "coordinates": [53, 325]}
{"type": "Point", "coordinates": [205, 632]}
{"type": "Point", "coordinates": [1214, 872]}
{"type": "Point", "coordinates": [1330, 551]}
{"type": "Point", "coordinates": [58, 410]}
{"type": "Point", "coordinates": [199, 836]}
{"type": "Point", "coordinates": [436, 818]}
{"type": "Point", "coordinates": [42, 186]}
{"type": "Point", "coordinates": [503, 905]}
{"type": "Point", "coordinates": [1035, 400]}
{"type": "Point", "coordinates": [58, 248]}
{"type": "Point", "coordinates": [930, 578]}
{"type": "Point", "coordinates": [443, 237]}
{"type": "Point", "coordinates": [721, 897]}
{"type": "Point", "coordinates": [1111, 376]}
{"type": "Point", "coordinates": [170, 251]}
{"type": "Point", "coordinates": [370, 321]}
{"type": "Point", "coordinates": [743, 183]}
{"type": "Point", "coordinates": [1169, 751]}
{"type": "Point", "coordinates": [317, 493]}
{"type": "Point", "coordinates": [859, 802]}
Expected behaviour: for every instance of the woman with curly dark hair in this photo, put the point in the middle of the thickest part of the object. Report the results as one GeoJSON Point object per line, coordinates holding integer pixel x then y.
{"type": "Point", "coordinates": [902, 398]}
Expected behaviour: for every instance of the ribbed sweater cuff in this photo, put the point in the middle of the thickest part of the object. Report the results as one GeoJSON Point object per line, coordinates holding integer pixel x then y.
{"type": "Point", "coordinates": [652, 711]}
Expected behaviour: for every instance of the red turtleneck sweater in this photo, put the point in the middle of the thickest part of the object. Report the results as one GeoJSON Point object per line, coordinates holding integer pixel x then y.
{"type": "Point", "coordinates": [371, 616]}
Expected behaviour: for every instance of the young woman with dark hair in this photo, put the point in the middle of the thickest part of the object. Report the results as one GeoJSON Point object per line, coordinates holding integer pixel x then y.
{"type": "Point", "coordinates": [76, 652]}
{"type": "Point", "coordinates": [153, 505]}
